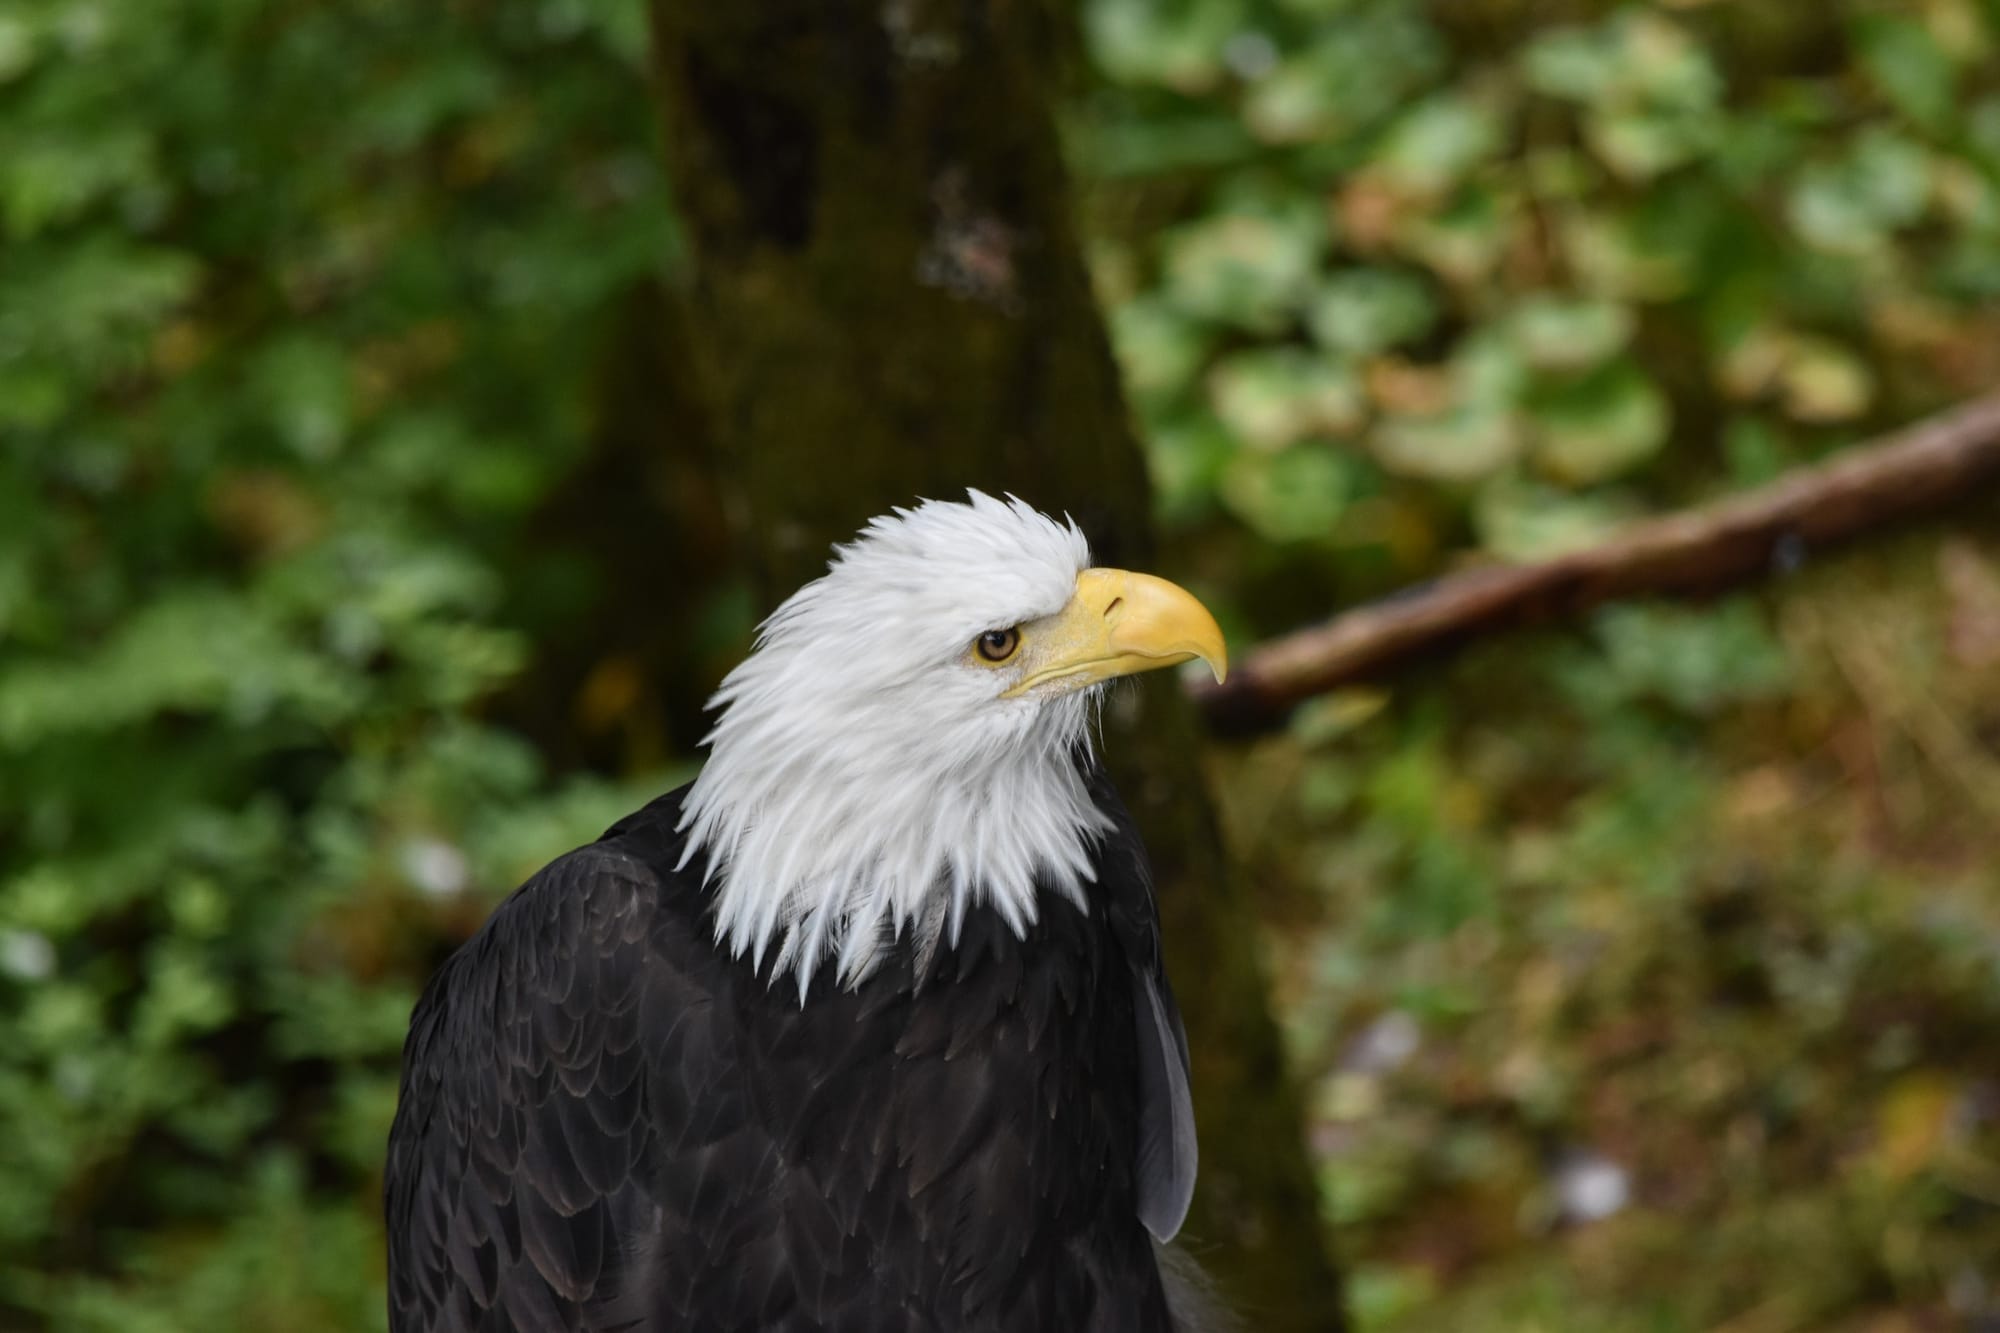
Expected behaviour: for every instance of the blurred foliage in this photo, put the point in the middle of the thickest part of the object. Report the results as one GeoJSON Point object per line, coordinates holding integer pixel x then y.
{"type": "Point", "coordinates": [1644, 973]}
{"type": "Point", "coordinates": [1396, 281]}
{"type": "Point", "coordinates": [1647, 974]}
{"type": "Point", "coordinates": [301, 313]}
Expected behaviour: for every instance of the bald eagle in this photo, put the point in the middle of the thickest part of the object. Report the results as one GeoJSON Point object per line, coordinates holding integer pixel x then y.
{"type": "Point", "coordinates": [866, 1028]}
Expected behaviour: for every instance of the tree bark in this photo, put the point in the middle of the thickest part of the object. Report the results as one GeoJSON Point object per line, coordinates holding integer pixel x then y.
{"type": "Point", "coordinates": [1917, 470]}
{"type": "Point", "coordinates": [888, 301]}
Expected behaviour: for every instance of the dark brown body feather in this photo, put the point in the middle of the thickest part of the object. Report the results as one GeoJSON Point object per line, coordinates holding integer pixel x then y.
{"type": "Point", "coordinates": [607, 1123]}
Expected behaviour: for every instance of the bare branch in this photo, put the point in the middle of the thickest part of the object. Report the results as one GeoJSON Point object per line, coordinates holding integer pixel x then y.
{"type": "Point", "coordinates": [1921, 468]}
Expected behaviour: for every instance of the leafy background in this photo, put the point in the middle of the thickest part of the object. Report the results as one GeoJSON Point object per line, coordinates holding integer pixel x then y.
{"type": "Point", "coordinates": [1644, 974]}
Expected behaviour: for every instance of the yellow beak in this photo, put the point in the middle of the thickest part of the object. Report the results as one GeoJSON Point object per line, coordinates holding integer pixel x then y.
{"type": "Point", "coordinates": [1116, 624]}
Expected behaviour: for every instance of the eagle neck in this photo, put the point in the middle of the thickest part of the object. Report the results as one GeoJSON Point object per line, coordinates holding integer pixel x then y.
{"type": "Point", "coordinates": [836, 854]}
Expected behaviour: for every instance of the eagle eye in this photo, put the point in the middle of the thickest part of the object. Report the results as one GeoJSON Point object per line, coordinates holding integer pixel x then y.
{"type": "Point", "coordinates": [997, 645]}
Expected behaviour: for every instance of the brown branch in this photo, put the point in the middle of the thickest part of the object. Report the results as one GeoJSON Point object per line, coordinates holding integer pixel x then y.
{"type": "Point", "coordinates": [1913, 471]}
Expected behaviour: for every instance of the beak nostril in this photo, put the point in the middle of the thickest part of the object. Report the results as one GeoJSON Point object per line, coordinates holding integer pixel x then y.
{"type": "Point", "coordinates": [1116, 602]}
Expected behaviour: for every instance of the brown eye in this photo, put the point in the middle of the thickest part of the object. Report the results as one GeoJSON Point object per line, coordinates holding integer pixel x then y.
{"type": "Point", "coordinates": [997, 645]}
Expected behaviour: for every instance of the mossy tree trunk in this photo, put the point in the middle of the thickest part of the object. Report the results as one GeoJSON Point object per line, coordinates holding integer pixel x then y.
{"type": "Point", "coordinates": [888, 301]}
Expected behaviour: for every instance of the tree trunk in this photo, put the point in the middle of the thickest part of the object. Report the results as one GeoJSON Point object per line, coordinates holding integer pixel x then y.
{"type": "Point", "coordinates": [888, 301]}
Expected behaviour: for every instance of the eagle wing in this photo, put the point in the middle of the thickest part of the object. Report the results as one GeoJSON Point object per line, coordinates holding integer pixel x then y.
{"type": "Point", "coordinates": [1166, 1156]}
{"type": "Point", "coordinates": [518, 1171]}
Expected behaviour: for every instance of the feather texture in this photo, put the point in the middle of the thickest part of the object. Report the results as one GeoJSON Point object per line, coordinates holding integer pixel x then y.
{"type": "Point", "coordinates": [861, 765]}
{"type": "Point", "coordinates": [609, 1124]}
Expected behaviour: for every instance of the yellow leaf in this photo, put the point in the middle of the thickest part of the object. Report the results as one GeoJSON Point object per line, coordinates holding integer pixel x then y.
{"type": "Point", "coordinates": [1913, 1123]}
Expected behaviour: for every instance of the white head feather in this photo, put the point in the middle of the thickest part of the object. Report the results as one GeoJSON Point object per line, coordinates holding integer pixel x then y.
{"type": "Point", "coordinates": [865, 778]}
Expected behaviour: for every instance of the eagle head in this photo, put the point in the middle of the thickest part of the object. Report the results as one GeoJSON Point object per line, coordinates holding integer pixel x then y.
{"type": "Point", "coordinates": [907, 740]}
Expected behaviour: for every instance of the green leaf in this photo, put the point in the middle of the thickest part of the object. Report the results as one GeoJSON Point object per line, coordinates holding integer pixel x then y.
{"type": "Point", "coordinates": [1487, 370]}
{"type": "Point", "coordinates": [1248, 268]}
{"type": "Point", "coordinates": [33, 397]}
{"type": "Point", "coordinates": [1636, 59]}
{"type": "Point", "coordinates": [303, 386]}
{"type": "Point", "coordinates": [1909, 66]}
{"type": "Point", "coordinates": [1850, 206]}
{"type": "Point", "coordinates": [92, 302]}
{"type": "Point", "coordinates": [1339, 85]}
{"type": "Point", "coordinates": [1756, 450]}
{"type": "Point", "coordinates": [1297, 495]}
{"type": "Point", "coordinates": [1298, 103]}
{"type": "Point", "coordinates": [1476, 434]}
{"type": "Point", "coordinates": [1697, 660]}
{"type": "Point", "coordinates": [1892, 175]}
{"type": "Point", "coordinates": [1600, 427]}
{"type": "Point", "coordinates": [1523, 520]}
{"type": "Point", "coordinates": [1461, 243]}
{"type": "Point", "coordinates": [1462, 444]}
{"type": "Point", "coordinates": [1554, 333]}
{"type": "Point", "coordinates": [1438, 143]}
{"type": "Point", "coordinates": [1639, 143]}
{"type": "Point", "coordinates": [1982, 130]}
{"type": "Point", "coordinates": [1186, 455]}
{"type": "Point", "coordinates": [1158, 347]}
{"type": "Point", "coordinates": [404, 114]}
{"type": "Point", "coordinates": [1572, 63]}
{"type": "Point", "coordinates": [194, 652]}
{"type": "Point", "coordinates": [1623, 257]}
{"type": "Point", "coordinates": [18, 42]}
{"type": "Point", "coordinates": [1829, 213]}
{"type": "Point", "coordinates": [1273, 397]}
{"type": "Point", "coordinates": [51, 178]}
{"type": "Point", "coordinates": [1174, 43]}
{"type": "Point", "coordinates": [1193, 138]}
{"type": "Point", "coordinates": [1361, 312]}
{"type": "Point", "coordinates": [1663, 64]}
{"type": "Point", "coordinates": [1823, 382]}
